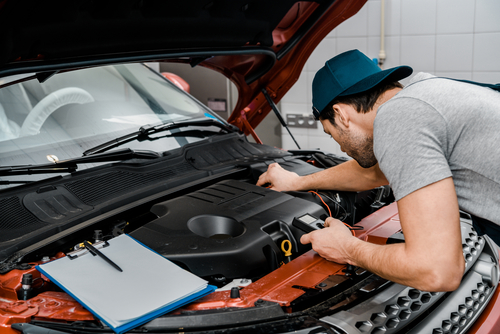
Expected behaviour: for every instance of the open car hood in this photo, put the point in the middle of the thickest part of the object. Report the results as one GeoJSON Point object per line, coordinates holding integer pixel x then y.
{"type": "Point", "coordinates": [256, 44]}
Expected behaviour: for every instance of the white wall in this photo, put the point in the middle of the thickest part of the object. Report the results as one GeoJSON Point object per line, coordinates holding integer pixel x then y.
{"type": "Point", "coordinates": [452, 38]}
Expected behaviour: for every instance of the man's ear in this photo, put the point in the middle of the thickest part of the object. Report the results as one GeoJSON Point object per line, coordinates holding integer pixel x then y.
{"type": "Point", "coordinates": [341, 115]}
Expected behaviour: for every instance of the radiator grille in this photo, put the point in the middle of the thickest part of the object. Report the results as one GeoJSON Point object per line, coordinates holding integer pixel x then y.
{"type": "Point", "coordinates": [396, 314]}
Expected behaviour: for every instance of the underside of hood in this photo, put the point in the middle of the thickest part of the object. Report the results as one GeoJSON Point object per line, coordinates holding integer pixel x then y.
{"type": "Point", "coordinates": [255, 43]}
{"type": "Point", "coordinates": [60, 29]}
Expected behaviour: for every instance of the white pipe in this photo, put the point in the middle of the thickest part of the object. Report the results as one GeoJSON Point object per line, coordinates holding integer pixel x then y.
{"type": "Point", "coordinates": [381, 55]}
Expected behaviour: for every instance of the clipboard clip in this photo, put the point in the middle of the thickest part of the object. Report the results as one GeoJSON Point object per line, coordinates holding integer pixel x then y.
{"type": "Point", "coordinates": [74, 255]}
{"type": "Point", "coordinates": [96, 252]}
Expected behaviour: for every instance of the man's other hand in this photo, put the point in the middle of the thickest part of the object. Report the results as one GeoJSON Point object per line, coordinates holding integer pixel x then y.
{"type": "Point", "coordinates": [279, 179]}
{"type": "Point", "coordinates": [331, 242]}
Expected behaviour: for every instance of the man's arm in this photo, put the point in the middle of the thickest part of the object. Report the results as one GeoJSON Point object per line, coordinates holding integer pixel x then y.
{"type": "Point", "coordinates": [348, 176]}
{"type": "Point", "coordinates": [431, 258]}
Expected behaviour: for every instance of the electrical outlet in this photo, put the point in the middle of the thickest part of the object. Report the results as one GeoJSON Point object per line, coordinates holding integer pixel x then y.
{"type": "Point", "coordinates": [301, 121]}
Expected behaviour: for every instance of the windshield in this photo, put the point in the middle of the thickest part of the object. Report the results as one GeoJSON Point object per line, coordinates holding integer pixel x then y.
{"type": "Point", "coordinates": [75, 111]}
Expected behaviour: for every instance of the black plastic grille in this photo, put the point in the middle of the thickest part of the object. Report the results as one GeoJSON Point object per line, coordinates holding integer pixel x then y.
{"type": "Point", "coordinates": [15, 220]}
{"type": "Point", "coordinates": [210, 155]}
{"type": "Point", "coordinates": [96, 189]}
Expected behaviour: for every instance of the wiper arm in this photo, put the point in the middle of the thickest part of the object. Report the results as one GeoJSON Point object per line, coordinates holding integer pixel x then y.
{"type": "Point", "coordinates": [146, 130]}
{"type": "Point", "coordinates": [8, 183]}
{"type": "Point", "coordinates": [70, 165]}
{"type": "Point", "coordinates": [34, 169]}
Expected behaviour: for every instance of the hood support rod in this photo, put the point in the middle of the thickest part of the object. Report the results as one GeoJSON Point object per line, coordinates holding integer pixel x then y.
{"type": "Point", "coordinates": [278, 114]}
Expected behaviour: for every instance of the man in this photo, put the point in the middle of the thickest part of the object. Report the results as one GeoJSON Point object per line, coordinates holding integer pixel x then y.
{"type": "Point", "coordinates": [435, 142]}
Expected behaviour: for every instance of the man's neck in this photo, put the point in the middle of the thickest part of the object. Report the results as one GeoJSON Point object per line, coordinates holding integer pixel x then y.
{"type": "Point", "coordinates": [386, 96]}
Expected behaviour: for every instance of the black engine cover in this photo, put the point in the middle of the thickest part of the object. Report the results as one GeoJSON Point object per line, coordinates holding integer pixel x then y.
{"type": "Point", "coordinates": [232, 229]}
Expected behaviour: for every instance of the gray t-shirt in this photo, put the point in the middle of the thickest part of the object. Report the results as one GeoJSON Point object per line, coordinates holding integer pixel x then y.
{"type": "Point", "coordinates": [436, 128]}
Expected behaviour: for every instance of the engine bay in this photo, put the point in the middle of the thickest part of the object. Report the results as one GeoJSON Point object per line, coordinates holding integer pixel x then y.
{"type": "Point", "coordinates": [238, 236]}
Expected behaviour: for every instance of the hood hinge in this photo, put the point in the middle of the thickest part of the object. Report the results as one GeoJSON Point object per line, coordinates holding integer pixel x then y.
{"type": "Point", "coordinates": [246, 125]}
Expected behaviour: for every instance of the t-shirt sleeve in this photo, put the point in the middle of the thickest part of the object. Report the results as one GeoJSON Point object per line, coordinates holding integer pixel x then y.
{"type": "Point", "coordinates": [410, 143]}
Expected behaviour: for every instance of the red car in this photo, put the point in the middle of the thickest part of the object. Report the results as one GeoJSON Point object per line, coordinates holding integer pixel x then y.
{"type": "Point", "coordinates": [94, 145]}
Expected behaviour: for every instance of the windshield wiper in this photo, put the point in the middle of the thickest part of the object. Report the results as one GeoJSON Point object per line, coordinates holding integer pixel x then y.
{"type": "Point", "coordinates": [144, 132]}
{"type": "Point", "coordinates": [70, 165]}
{"type": "Point", "coordinates": [9, 183]}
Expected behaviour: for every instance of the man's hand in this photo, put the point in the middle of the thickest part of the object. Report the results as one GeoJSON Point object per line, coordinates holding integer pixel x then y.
{"type": "Point", "coordinates": [279, 178]}
{"type": "Point", "coordinates": [332, 242]}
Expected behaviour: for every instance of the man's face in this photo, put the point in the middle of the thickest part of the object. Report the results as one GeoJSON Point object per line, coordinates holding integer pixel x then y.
{"type": "Point", "coordinates": [355, 143]}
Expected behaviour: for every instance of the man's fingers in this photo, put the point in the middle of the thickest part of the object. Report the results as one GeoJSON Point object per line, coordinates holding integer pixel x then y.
{"type": "Point", "coordinates": [330, 221]}
{"type": "Point", "coordinates": [262, 179]}
{"type": "Point", "coordinates": [305, 239]}
{"type": "Point", "coordinates": [278, 179]}
{"type": "Point", "coordinates": [274, 164]}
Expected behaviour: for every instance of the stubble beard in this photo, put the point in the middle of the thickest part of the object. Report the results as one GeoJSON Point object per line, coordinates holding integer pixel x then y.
{"type": "Point", "coordinates": [360, 148]}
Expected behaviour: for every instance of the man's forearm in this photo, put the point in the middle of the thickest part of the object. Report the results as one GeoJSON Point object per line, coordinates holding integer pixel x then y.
{"type": "Point", "coordinates": [431, 258]}
{"type": "Point", "coordinates": [393, 263]}
{"type": "Point", "coordinates": [348, 176]}
{"type": "Point", "coordinates": [424, 269]}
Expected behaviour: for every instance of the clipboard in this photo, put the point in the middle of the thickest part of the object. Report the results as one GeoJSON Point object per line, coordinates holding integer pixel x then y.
{"type": "Point", "coordinates": [148, 286]}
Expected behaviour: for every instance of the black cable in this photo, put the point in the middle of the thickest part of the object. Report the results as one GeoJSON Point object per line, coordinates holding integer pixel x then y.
{"type": "Point", "coordinates": [338, 204]}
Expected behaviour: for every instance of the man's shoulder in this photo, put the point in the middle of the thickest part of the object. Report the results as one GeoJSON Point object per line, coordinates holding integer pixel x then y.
{"type": "Point", "coordinates": [414, 106]}
{"type": "Point", "coordinates": [446, 96]}
{"type": "Point", "coordinates": [411, 100]}
{"type": "Point", "coordinates": [420, 76]}
{"type": "Point", "coordinates": [421, 85]}
{"type": "Point", "coordinates": [416, 89]}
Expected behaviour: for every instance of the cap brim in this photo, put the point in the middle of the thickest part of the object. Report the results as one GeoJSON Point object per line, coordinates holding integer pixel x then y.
{"type": "Point", "coordinates": [392, 74]}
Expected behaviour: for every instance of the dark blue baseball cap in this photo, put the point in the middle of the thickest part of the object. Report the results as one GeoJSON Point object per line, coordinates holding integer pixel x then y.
{"type": "Point", "coordinates": [350, 73]}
